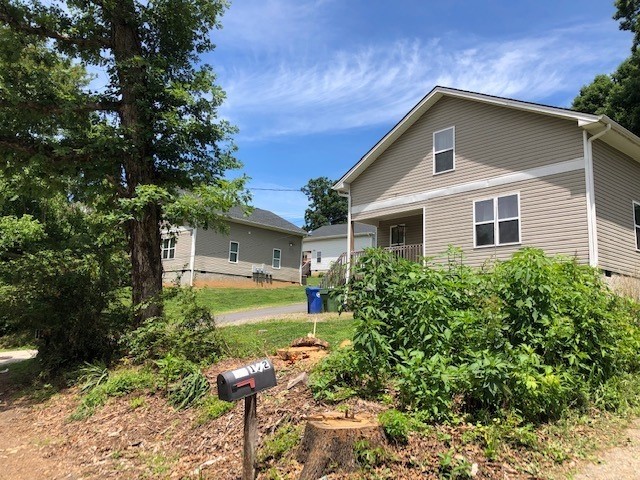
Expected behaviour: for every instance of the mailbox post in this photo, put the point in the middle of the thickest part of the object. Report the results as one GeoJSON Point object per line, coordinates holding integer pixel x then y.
{"type": "Point", "coordinates": [245, 383]}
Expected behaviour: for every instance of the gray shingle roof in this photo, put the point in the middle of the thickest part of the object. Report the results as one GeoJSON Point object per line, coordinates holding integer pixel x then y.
{"type": "Point", "coordinates": [341, 229]}
{"type": "Point", "coordinates": [266, 218]}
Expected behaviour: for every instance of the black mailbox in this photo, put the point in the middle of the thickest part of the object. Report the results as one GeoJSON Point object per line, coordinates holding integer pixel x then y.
{"type": "Point", "coordinates": [245, 381]}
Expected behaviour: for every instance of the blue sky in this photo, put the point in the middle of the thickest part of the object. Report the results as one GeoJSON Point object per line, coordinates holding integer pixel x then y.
{"type": "Point", "coordinates": [313, 84]}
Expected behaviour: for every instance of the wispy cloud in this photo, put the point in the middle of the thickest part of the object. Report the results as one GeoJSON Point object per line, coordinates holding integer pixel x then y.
{"type": "Point", "coordinates": [370, 85]}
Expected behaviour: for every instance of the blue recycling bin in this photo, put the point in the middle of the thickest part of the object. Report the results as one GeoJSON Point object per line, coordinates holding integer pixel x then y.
{"type": "Point", "coordinates": [314, 300]}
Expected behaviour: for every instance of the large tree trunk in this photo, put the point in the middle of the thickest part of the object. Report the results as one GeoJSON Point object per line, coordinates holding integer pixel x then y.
{"type": "Point", "coordinates": [138, 163]}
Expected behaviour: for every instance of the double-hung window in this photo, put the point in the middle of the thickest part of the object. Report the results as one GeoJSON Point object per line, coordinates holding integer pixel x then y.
{"type": "Point", "coordinates": [318, 256]}
{"type": "Point", "coordinates": [168, 248]}
{"type": "Point", "coordinates": [397, 235]}
{"type": "Point", "coordinates": [496, 221]}
{"type": "Point", "coordinates": [444, 158]}
{"type": "Point", "coordinates": [636, 223]}
{"type": "Point", "coordinates": [277, 255]}
{"type": "Point", "coordinates": [234, 248]}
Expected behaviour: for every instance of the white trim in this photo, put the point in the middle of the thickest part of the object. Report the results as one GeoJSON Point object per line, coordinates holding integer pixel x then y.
{"type": "Point", "coordinates": [424, 236]}
{"type": "Point", "coordinates": [237, 252]}
{"type": "Point", "coordinates": [192, 257]}
{"type": "Point", "coordinates": [170, 249]}
{"type": "Point", "coordinates": [635, 225]}
{"type": "Point", "coordinates": [273, 258]}
{"type": "Point", "coordinates": [453, 149]}
{"type": "Point", "coordinates": [404, 235]}
{"type": "Point", "coordinates": [539, 172]}
{"type": "Point", "coordinates": [349, 233]}
{"type": "Point", "coordinates": [496, 221]}
{"type": "Point", "coordinates": [590, 195]}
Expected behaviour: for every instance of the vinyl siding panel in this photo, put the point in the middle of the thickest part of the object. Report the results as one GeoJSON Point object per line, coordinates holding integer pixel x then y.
{"type": "Point", "coordinates": [255, 248]}
{"type": "Point", "coordinates": [412, 232]}
{"type": "Point", "coordinates": [180, 262]}
{"type": "Point", "coordinates": [552, 215]}
{"type": "Point", "coordinates": [489, 141]}
{"type": "Point", "coordinates": [332, 248]}
{"type": "Point", "coordinates": [617, 185]}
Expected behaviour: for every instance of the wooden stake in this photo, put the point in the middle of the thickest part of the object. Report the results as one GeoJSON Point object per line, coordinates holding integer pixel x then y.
{"type": "Point", "coordinates": [250, 437]}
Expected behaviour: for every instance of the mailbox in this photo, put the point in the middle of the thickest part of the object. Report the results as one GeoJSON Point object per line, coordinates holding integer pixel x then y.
{"type": "Point", "coordinates": [245, 381]}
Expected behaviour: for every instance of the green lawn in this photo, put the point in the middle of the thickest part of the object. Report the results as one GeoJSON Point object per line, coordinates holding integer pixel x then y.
{"type": "Point", "coordinates": [265, 338]}
{"type": "Point", "coordinates": [220, 300]}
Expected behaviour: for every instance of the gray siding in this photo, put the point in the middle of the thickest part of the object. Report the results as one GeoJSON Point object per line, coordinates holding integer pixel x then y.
{"type": "Point", "coordinates": [552, 215]}
{"type": "Point", "coordinates": [489, 141]}
{"type": "Point", "coordinates": [413, 230]}
{"type": "Point", "coordinates": [617, 185]}
{"type": "Point", "coordinates": [255, 248]}
{"type": "Point", "coordinates": [174, 267]}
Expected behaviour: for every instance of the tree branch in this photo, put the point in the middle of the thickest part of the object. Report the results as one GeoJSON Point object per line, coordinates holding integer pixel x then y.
{"type": "Point", "coordinates": [32, 148]}
{"type": "Point", "coordinates": [105, 106]}
{"type": "Point", "coordinates": [23, 25]}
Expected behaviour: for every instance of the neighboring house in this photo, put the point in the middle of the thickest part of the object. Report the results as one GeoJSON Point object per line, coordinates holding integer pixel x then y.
{"type": "Point", "coordinates": [324, 245]}
{"type": "Point", "coordinates": [491, 175]}
{"type": "Point", "coordinates": [261, 242]}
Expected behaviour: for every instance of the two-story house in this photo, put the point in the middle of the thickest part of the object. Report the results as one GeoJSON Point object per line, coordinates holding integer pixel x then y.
{"type": "Point", "coordinates": [491, 175]}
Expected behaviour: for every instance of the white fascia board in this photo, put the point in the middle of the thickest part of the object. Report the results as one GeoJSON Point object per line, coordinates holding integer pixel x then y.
{"type": "Point", "coordinates": [430, 99]}
{"type": "Point", "coordinates": [266, 227]}
{"type": "Point", "coordinates": [539, 172]}
{"type": "Point", "coordinates": [311, 238]}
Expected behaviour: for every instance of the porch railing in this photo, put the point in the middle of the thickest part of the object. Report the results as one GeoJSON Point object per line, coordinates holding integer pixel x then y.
{"type": "Point", "coordinates": [337, 274]}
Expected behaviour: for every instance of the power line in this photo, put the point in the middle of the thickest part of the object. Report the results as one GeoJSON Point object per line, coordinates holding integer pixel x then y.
{"type": "Point", "coordinates": [278, 189]}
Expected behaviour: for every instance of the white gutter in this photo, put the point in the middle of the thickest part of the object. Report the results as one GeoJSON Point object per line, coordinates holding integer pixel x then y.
{"type": "Point", "coordinates": [349, 235]}
{"type": "Point", "coordinates": [590, 193]}
{"type": "Point", "coordinates": [192, 259]}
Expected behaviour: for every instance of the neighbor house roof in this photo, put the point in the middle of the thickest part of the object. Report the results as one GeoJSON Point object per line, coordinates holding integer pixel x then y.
{"type": "Point", "coordinates": [340, 230]}
{"type": "Point", "coordinates": [617, 136]}
{"type": "Point", "coordinates": [264, 219]}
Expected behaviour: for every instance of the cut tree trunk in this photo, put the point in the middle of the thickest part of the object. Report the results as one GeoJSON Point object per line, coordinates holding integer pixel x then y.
{"type": "Point", "coordinates": [330, 439]}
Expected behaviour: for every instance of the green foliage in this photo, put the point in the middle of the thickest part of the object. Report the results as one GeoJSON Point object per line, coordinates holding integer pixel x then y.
{"type": "Point", "coordinates": [534, 336]}
{"type": "Point", "coordinates": [118, 384]}
{"type": "Point", "coordinates": [191, 388]}
{"type": "Point", "coordinates": [189, 333]}
{"type": "Point", "coordinates": [283, 440]}
{"type": "Point", "coordinates": [452, 466]}
{"type": "Point", "coordinates": [326, 207]}
{"type": "Point", "coordinates": [211, 407]}
{"type": "Point", "coordinates": [92, 375]}
{"type": "Point", "coordinates": [396, 425]}
{"type": "Point", "coordinates": [368, 456]}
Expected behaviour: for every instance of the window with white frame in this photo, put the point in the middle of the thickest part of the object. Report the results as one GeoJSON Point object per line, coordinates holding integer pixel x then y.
{"type": "Point", "coordinates": [444, 150]}
{"type": "Point", "coordinates": [397, 235]}
{"type": "Point", "coordinates": [234, 248]}
{"type": "Point", "coordinates": [496, 221]}
{"type": "Point", "coordinates": [277, 255]}
{"type": "Point", "coordinates": [168, 248]}
{"type": "Point", "coordinates": [318, 256]}
{"type": "Point", "coordinates": [636, 222]}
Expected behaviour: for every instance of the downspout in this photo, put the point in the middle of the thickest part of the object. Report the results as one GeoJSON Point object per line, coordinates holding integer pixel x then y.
{"type": "Point", "coordinates": [590, 193]}
{"type": "Point", "coordinates": [424, 236]}
{"type": "Point", "coordinates": [192, 259]}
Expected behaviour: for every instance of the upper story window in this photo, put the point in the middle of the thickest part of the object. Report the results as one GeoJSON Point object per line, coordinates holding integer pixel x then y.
{"type": "Point", "coordinates": [496, 221]}
{"type": "Point", "coordinates": [444, 158]}
{"type": "Point", "coordinates": [234, 248]}
{"type": "Point", "coordinates": [397, 235]}
{"type": "Point", "coordinates": [636, 223]}
{"type": "Point", "coordinates": [277, 255]}
{"type": "Point", "coordinates": [168, 248]}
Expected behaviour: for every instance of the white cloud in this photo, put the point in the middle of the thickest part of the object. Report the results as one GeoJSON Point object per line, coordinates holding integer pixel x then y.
{"type": "Point", "coordinates": [379, 83]}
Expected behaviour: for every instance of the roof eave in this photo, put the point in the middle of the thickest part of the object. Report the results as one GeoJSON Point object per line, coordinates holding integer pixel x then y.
{"type": "Point", "coordinates": [266, 227]}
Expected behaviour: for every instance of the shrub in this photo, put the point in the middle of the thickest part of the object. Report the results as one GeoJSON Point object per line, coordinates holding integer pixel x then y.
{"type": "Point", "coordinates": [336, 377]}
{"type": "Point", "coordinates": [189, 389]}
{"type": "Point", "coordinates": [532, 335]}
{"type": "Point", "coordinates": [283, 440]}
{"type": "Point", "coordinates": [188, 332]}
{"type": "Point", "coordinates": [396, 425]}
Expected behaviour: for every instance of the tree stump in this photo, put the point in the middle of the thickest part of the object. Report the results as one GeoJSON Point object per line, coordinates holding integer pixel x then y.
{"type": "Point", "coordinates": [330, 439]}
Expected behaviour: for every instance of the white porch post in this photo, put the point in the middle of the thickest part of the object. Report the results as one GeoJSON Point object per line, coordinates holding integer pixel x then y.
{"type": "Point", "coordinates": [192, 258]}
{"type": "Point", "coordinates": [349, 236]}
{"type": "Point", "coordinates": [424, 236]}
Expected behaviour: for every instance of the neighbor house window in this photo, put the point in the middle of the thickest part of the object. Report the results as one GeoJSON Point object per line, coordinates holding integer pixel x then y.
{"type": "Point", "coordinates": [396, 235]}
{"type": "Point", "coordinates": [277, 254]}
{"type": "Point", "coordinates": [233, 251]}
{"type": "Point", "coordinates": [444, 150]}
{"type": "Point", "coordinates": [319, 257]}
{"type": "Point", "coordinates": [168, 248]}
{"type": "Point", "coordinates": [636, 222]}
{"type": "Point", "coordinates": [496, 221]}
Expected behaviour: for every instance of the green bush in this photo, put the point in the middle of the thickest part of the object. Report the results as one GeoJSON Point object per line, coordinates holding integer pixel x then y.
{"type": "Point", "coordinates": [336, 377]}
{"type": "Point", "coordinates": [191, 388]}
{"type": "Point", "coordinates": [188, 332]}
{"type": "Point", "coordinates": [396, 425]}
{"type": "Point", "coordinates": [533, 336]}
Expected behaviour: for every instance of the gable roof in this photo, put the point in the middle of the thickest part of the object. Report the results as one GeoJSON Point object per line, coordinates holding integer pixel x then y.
{"type": "Point", "coordinates": [340, 230]}
{"type": "Point", "coordinates": [264, 219]}
{"type": "Point", "coordinates": [618, 136]}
